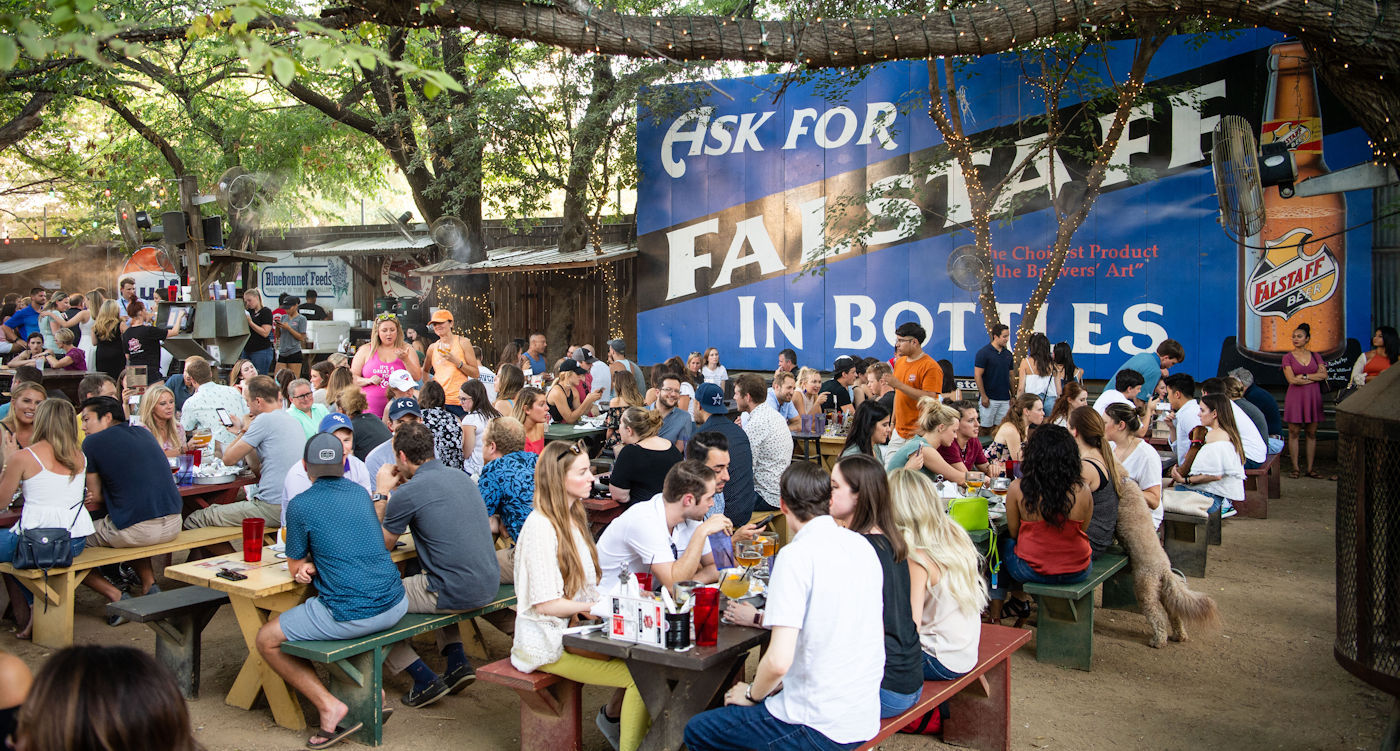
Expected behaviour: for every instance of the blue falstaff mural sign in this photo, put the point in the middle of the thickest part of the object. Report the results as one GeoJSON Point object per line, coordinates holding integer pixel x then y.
{"type": "Point", "coordinates": [734, 196]}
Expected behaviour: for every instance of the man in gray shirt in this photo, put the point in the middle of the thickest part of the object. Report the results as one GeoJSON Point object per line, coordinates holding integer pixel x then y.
{"type": "Point", "coordinates": [274, 441]}
{"type": "Point", "coordinates": [676, 425]}
{"type": "Point", "coordinates": [291, 335]}
{"type": "Point", "coordinates": [444, 510]}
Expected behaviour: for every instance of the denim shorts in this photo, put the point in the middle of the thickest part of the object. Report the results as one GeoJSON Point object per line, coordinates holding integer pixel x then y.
{"type": "Point", "coordinates": [312, 621]}
{"type": "Point", "coordinates": [9, 541]}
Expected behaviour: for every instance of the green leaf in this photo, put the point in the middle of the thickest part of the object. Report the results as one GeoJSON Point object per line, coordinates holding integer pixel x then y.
{"type": "Point", "coordinates": [9, 52]}
{"type": "Point", "coordinates": [431, 90]}
{"type": "Point", "coordinates": [284, 70]}
{"type": "Point", "coordinates": [244, 14]}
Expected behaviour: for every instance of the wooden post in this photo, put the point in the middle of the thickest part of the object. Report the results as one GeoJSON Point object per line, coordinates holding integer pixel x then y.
{"type": "Point", "coordinates": [194, 245]}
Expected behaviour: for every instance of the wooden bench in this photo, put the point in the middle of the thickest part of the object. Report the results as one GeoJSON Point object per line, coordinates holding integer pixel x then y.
{"type": "Point", "coordinates": [178, 616]}
{"type": "Point", "coordinates": [1261, 484]}
{"type": "Point", "coordinates": [1185, 538]}
{"type": "Point", "coordinates": [1064, 631]}
{"type": "Point", "coordinates": [980, 702]}
{"type": "Point", "coordinates": [53, 598]}
{"type": "Point", "coordinates": [359, 680]}
{"type": "Point", "coordinates": [551, 707]}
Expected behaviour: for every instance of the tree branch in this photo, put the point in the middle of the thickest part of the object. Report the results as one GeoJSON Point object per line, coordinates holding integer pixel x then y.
{"type": "Point", "coordinates": [26, 121]}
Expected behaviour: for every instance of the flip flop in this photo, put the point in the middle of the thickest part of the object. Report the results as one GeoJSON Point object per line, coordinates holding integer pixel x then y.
{"type": "Point", "coordinates": [332, 737]}
{"type": "Point", "coordinates": [1294, 475]}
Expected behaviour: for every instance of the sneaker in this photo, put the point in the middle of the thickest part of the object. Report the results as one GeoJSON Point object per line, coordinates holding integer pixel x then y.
{"type": "Point", "coordinates": [459, 678]}
{"type": "Point", "coordinates": [1227, 509]}
{"type": "Point", "coordinates": [131, 581]}
{"type": "Point", "coordinates": [117, 620]}
{"type": "Point", "coordinates": [611, 729]}
{"type": "Point", "coordinates": [430, 693]}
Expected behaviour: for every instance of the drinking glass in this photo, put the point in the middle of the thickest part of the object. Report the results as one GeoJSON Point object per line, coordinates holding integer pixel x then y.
{"type": "Point", "coordinates": [748, 553]}
{"type": "Point", "coordinates": [706, 612]}
{"type": "Point", "coordinates": [734, 585]}
{"type": "Point", "coordinates": [974, 482]}
{"type": "Point", "coordinates": [253, 539]}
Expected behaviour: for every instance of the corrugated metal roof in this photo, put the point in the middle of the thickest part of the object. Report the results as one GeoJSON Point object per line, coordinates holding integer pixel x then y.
{"type": "Point", "coordinates": [531, 258]}
{"type": "Point", "coordinates": [373, 245]}
{"type": "Point", "coordinates": [21, 265]}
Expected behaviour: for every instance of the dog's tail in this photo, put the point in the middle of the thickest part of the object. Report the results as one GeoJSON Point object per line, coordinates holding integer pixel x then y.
{"type": "Point", "coordinates": [1190, 606]}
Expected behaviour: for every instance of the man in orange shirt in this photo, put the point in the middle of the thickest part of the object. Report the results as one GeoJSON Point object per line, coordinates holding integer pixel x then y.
{"type": "Point", "coordinates": [916, 375]}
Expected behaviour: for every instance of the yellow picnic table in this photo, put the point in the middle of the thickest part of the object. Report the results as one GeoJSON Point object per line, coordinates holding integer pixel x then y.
{"type": "Point", "coordinates": [268, 589]}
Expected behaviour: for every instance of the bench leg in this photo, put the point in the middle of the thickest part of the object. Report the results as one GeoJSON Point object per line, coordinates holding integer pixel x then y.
{"type": "Point", "coordinates": [359, 682]}
{"type": "Point", "coordinates": [1119, 592]}
{"type": "Point", "coordinates": [1064, 631]}
{"type": "Point", "coordinates": [53, 620]}
{"type": "Point", "coordinates": [978, 721]}
{"type": "Point", "coordinates": [178, 647]}
{"type": "Point", "coordinates": [1213, 528]}
{"type": "Point", "coordinates": [1186, 546]}
{"type": "Point", "coordinates": [1256, 498]}
{"type": "Point", "coordinates": [1276, 477]}
{"type": "Point", "coordinates": [552, 718]}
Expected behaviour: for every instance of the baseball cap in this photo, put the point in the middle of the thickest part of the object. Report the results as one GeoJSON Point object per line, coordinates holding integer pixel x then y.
{"type": "Point", "coordinates": [711, 398]}
{"type": "Point", "coordinates": [569, 365]}
{"type": "Point", "coordinates": [404, 405]}
{"type": "Point", "coordinates": [619, 346]}
{"type": "Point", "coordinates": [324, 456]}
{"type": "Point", "coordinates": [441, 315]}
{"type": "Point", "coordinates": [844, 362]}
{"type": "Point", "coordinates": [582, 354]}
{"type": "Point", "coordinates": [291, 301]}
{"type": "Point", "coordinates": [333, 422]}
{"type": "Point", "coordinates": [401, 380]}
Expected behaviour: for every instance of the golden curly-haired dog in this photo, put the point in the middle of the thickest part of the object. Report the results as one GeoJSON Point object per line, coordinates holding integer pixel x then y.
{"type": "Point", "coordinates": [1162, 595]}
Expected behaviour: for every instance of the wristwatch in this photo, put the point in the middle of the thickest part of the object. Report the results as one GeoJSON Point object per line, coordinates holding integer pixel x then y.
{"type": "Point", "coordinates": [749, 696]}
{"type": "Point", "coordinates": [377, 497]}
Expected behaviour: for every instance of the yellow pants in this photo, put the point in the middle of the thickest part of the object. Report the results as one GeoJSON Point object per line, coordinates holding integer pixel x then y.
{"type": "Point", "coordinates": [635, 720]}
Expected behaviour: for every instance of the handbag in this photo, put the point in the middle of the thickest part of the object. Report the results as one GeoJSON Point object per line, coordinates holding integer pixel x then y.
{"type": "Point", "coordinates": [44, 548]}
{"type": "Point", "coordinates": [972, 515]}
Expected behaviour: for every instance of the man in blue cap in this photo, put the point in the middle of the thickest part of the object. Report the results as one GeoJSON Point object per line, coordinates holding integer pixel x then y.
{"type": "Point", "coordinates": [401, 411]}
{"type": "Point", "coordinates": [298, 480]}
{"type": "Point", "coordinates": [738, 492]}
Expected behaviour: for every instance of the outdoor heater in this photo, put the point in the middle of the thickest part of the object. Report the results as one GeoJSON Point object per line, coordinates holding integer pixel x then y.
{"type": "Point", "coordinates": [1368, 539]}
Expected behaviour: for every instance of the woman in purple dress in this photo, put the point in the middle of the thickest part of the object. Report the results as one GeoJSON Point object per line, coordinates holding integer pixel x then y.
{"type": "Point", "coordinates": [1302, 405]}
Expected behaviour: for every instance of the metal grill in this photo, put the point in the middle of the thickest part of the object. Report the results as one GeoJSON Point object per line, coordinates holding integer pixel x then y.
{"type": "Point", "coordinates": [1368, 534]}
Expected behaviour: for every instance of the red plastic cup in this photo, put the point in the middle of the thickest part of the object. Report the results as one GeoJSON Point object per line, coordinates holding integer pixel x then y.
{"type": "Point", "coordinates": [253, 539]}
{"type": "Point", "coordinates": [645, 580]}
{"type": "Point", "coordinates": [706, 616]}
{"type": "Point", "coordinates": [195, 456]}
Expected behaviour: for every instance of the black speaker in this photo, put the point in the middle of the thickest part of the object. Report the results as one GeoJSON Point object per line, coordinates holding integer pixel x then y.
{"type": "Point", "coordinates": [174, 224]}
{"type": "Point", "coordinates": [213, 231]}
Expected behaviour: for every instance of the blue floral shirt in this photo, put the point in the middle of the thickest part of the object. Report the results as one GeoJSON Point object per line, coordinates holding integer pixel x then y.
{"type": "Point", "coordinates": [507, 486]}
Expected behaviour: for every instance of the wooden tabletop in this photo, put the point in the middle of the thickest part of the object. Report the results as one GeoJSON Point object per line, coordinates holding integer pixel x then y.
{"type": "Point", "coordinates": [265, 578]}
{"type": "Point", "coordinates": [238, 482]}
{"type": "Point", "coordinates": [732, 640]}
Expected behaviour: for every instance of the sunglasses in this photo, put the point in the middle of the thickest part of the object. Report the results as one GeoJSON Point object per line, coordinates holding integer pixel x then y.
{"type": "Point", "coordinates": [385, 317]}
{"type": "Point", "coordinates": [574, 449]}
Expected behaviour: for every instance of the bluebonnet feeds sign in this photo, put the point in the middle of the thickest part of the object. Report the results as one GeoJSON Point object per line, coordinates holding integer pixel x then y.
{"type": "Point", "coordinates": [734, 195]}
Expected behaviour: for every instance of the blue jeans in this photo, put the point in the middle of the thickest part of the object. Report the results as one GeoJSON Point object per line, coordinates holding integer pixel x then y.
{"type": "Point", "coordinates": [892, 704]}
{"type": "Point", "coordinates": [736, 728]}
{"type": "Point", "coordinates": [1016, 568]}
{"type": "Point", "coordinates": [1275, 445]}
{"type": "Point", "coordinates": [935, 671]}
{"type": "Point", "coordinates": [1216, 500]}
{"type": "Point", "coordinates": [263, 359]}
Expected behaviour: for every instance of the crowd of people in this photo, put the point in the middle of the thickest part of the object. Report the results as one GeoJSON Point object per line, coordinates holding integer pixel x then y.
{"type": "Point", "coordinates": [877, 589]}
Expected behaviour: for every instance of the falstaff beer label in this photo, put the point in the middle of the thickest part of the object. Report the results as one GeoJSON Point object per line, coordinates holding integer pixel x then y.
{"type": "Point", "coordinates": [1288, 280]}
{"type": "Point", "coordinates": [1303, 134]}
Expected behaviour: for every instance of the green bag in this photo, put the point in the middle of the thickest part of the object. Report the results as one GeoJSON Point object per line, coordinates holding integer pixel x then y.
{"type": "Point", "coordinates": [970, 513]}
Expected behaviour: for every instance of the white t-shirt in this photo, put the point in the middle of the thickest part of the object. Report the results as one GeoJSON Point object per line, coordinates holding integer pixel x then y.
{"type": "Point", "coordinates": [297, 482]}
{"type": "Point", "coordinates": [1187, 418]}
{"type": "Point", "coordinates": [488, 379]}
{"type": "Point", "coordinates": [1255, 449]}
{"type": "Point", "coordinates": [602, 379]}
{"type": "Point", "coordinates": [639, 538]}
{"type": "Point", "coordinates": [828, 584]}
{"type": "Point", "coordinates": [1144, 467]}
{"type": "Point", "coordinates": [1111, 396]}
{"type": "Point", "coordinates": [473, 464]}
{"type": "Point", "coordinates": [1219, 458]}
{"type": "Point", "coordinates": [717, 376]}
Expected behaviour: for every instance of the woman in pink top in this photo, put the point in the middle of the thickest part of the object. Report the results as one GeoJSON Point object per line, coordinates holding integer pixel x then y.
{"type": "Point", "coordinates": [386, 352]}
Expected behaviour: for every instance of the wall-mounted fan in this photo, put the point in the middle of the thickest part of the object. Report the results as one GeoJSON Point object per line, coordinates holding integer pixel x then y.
{"type": "Point", "coordinates": [247, 198]}
{"type": "Point", "coordinates": [399, 222]}
{"type": "Point", "coordinates": [450, 234]}
{"type": "Point", "coordinates": [966, 267]}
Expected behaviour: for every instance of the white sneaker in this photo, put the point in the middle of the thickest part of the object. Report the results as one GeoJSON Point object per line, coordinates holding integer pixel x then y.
{"type": "Point", "coordinates": [1227, 509]}
{"type": "Point", "coordinates": [611, 729]}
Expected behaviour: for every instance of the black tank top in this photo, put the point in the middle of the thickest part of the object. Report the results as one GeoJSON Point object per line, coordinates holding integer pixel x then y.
{"type": "Point", "coordinates": [1105, 519]}
{"type": "Point", "coordinates": [568, 399]}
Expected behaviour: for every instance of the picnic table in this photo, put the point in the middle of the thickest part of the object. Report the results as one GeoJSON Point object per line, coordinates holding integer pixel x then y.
{"type": "Point", "coordinates": [195, 496]}
{"type": "Point", "coordinates": [677, 685]}
{"type": "Point", "coordinates": [268, 589]}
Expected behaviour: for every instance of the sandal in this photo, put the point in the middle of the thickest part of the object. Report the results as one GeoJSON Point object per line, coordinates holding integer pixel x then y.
{"type": "Point", "coordinates": [331, 737]}
{"type": "Point", "coordinates": [1294, 474]}
{"type": "Point", "coordinates": [1017, 608]}
{"type": "Point", "coordinates": [1314, 474]}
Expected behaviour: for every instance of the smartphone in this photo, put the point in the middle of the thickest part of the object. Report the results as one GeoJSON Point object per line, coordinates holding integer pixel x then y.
{"type": "Point", "coordinates": [232, 576]}
{"type": "Point", "coordinates": [136, 377]}
{"type": "Point", "coordinates": [224, 418]}
{"type": "Point", "coordinates": [763, 524]}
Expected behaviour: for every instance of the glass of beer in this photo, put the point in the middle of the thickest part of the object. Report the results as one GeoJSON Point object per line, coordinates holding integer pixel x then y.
{"type": "Point", "coordinates": [1000, 486]}
{"type": "Point", "coordinates": [748, 553]}
{"type": "Point", "coordinates": [974, 482]}
{"type": "Point", "coordinates": [769, 542]}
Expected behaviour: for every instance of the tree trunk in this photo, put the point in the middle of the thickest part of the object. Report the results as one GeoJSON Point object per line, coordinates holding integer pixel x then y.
{"type": "Point", "coordinates": [590, 136]}
{"type": "Point", "coordinates": [22, 124]}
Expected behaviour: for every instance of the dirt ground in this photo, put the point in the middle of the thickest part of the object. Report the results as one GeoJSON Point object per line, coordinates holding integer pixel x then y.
{"type": "Point", "coordinates": [1266, 680]}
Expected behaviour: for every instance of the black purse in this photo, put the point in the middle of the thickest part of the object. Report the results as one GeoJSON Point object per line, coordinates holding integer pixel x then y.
{"type": "Point", "coordinates": [44, 548]}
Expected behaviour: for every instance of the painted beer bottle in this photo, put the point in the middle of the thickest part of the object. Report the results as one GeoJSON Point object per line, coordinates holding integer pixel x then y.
{"type": "Point", "coordinates": [1298, 272]}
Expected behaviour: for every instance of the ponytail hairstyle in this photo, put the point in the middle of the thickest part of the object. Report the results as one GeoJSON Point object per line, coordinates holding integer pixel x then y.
{"type": "Point", "coordinates": [1225, 418]}
{"type": "Point", "coordinates": [644, 423]}
{"type": "Point", "coordinates": [866, 478]}
{"type": "Point", "coordinates": [932, 537]}
{"type": "Point", "coordinates": [1120, 412]}
{"type": "Point", "coordinates": [1088, 425]}
{"type": "Point", "coordinates": [553, 502]}
{"type": "Point", "coordinates": [1016, 413]}
{"type": "Point", "coordinates": [1060, 415]}
{"type": "Point", "coordinates": [933, 413]}
{"type": "Point", "coordinates": [524, 401]}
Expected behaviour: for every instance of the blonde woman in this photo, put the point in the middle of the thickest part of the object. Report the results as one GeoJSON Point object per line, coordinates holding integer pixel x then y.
{"type": "Point", "coordinates": [806, 398]}
{"type": "Point", "coordinates": [625, 395]}
{"type": "Point", "coordinates": [510, 379]}
{"type": "Point", "coordinates": [532, 410]}
{"type": "Point", "coordinates": [87, 318]}
{"type": "Point", "coordinates": [947, 591]}
{"type": "Point", "coordinates": [108, 344]}
{"type": "Point", "coordinates": [17, 427]}
{"type": "Point", "coordinates": [339, 380]}
{"type": "Point", "coordinates": [937, 428]}
{"type": "Point", "coordinates": [556, 583]}
{"type": "Point", "coordinates": [158, 415]}
{"type": "Point", "coordinates": [386, 352]}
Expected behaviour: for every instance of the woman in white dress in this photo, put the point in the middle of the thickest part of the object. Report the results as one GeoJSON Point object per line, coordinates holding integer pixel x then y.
{"type": "Point", "coordinates": [1038, 375]}
{"type": "Point", "coordinates": [92, 302]}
